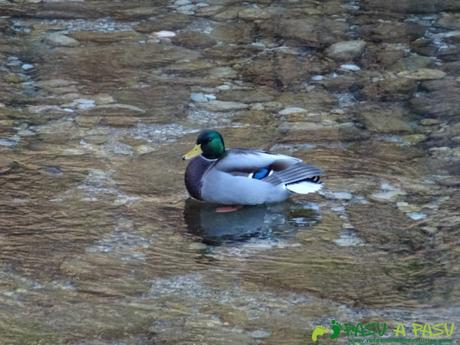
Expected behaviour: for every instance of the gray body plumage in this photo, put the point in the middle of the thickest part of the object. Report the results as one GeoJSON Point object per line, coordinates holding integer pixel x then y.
{"type": "Point", "coordinates": [227, 181]}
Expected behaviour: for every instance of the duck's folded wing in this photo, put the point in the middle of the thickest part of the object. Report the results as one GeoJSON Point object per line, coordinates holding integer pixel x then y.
{"type": "Point", "coordinates": [248, 161]}
{"type": "Point", "coordinates": [295, 173]}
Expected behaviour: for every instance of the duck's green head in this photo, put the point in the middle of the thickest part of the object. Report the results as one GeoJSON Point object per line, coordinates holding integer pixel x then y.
{"type": "Point", "coordinates": [209, 144]}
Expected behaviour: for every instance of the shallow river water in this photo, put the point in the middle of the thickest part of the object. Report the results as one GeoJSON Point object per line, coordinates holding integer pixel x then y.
{"type": "Point", "coordinates": [99, 100]}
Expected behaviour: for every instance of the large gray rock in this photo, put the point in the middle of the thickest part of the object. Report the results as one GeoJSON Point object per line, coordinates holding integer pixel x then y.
{"type": "Point", "coordinates": [221, 106]}
{"type": "Point", "coordinates": [346, 50]}
{"type": "Point", "coordinates": [440, 100]}
{"type": "Point", "coordinates": [193, 40]}
{"type": "Point", "coordinates": [392, 32]}
{"type": "Point", "coordinates": [6, 164]}
{"type": "Point", "coordinates": [58, 39]}
{"type": "Point", "coordinates": [383, 119]}
{"type": "Point", "coordinates": [310, 31]}
{"type": "Point", "coordinates": [412, 6]}
{"type": "Point", "coordinates": [449, 21]}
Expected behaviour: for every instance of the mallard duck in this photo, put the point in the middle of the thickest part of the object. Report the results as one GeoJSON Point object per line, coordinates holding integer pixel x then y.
{"type": "Point", "coordinates": [244, 176]}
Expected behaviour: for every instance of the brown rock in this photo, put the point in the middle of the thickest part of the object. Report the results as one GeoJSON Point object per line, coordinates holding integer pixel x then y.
{"type": "Point", "coordinates": [137, 12]}
{"type": "Point", "coordinates": [412, 6]}
{"type": "Point", "coordinates": [6, 164]}
{"type": "Point", "coordinates": [283, 70]}
{"type": "Point", "coordinates": [393, 32]}
{"type": "Point", "coordinates": [383, 227]}
{"type": "Point", "coordinates": [422, 74]}
{"type": "Point", "coordinates": [346, 50]}
{"type": "Point", "coordinates": [171, 22]}
{"type": "Point", "coordinates": [315, 100]}
{"type": "Point", "coordinates": [225, 51]}
{"type": "Point", "coordinates": [450, 53]}
{"type": "Point", "coordinates": [119, 121]}
{"type": "Point", "coordinates": [383, 118]}
{"type": "Point", "coordinates": [227, 14]}
{"type": "Point", "coordinates": [253, 13]}
{"type": "Point", "coordinates": [106, 37]}
{"type": "Point", "coordinates": [344, 83]}
{"type": "Point", "coordinates": [389, 89]}
{"type": "Point", "coordinates": [259, 94]}
{"type": "Point", "coordinates": [424, 46]}
{"type": "Point", "coordinates": [449, 21]}
{"type": "Point", "coordinates": [156, 100]}
{"type": "Point", "coordinates": [236, 33]}
{"type": "Point", "coordinates": [116, 64]}
{"type": "Point", "coordinates": [441, 102]}
{"type": "Point", "coordinates": [452, 68]}
{"type": "Point", "coordinates": [301, 132]}
{"type": "Point", "coordinates": [310, 31]}
{"type": "Point", "coordinates": [413, 63]}
{"type": "Point", "coordinates": [193, 40]}
{"type": "Point", "coordinates": [57, 39]}
{"type": "Point", "coordinates": [381, 55]}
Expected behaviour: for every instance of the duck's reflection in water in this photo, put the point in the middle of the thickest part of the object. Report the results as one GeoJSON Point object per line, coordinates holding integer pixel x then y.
{"type": "Point", "coordinates": [262, 221]}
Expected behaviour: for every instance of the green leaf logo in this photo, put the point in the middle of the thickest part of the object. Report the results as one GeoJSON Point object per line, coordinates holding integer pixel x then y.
{"type": "Point", "coordinates": [318, 331]}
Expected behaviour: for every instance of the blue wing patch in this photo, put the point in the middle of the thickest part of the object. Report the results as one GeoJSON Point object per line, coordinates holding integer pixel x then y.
{"type": "Point", "coordinates": [261, 173]}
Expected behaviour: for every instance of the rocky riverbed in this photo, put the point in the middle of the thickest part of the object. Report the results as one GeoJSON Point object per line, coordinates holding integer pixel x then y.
{"type": "Point", "coordinates": [98, 101]}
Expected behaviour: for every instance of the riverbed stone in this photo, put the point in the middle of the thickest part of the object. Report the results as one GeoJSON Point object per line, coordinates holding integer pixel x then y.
{"type": "Point", "coordinates": [386, 119]}
{"type": "Point", "coordinates": [346, 50]}
{"type": "Point", "coordinates": [193, 40]}
{"type": "Point", "coordinates": [424, 46]}
{"type": "Point", "coordinates": [258, 94]}
{"type": "Point", "coordinates": [281, 71]}
{"type": "Point", "coordinates": [389, 88]}
{"type": "Point", "coordinates": [413, 63]}
{"type": "Point", "coordinates": [314, 100]}
{"type": "Point", "coordinates": [223, 106]}
{"type": "Point", "coordinates": [170, 21]}
{"type": "Point", "coordinates": [253, 13]}
{"type": "Point", "coordinates": [310, 31]}
{"type": "Point", "coordinates": [441, 101]}
{"type": "Point", "coordinates": [60, 40]}
{"type": "Point", "coordinates": [6, 164]}
{"type": "Point", "coordinates": [238, 33]}
{"type": "Point", "coordinates": [105, 37]}
{"type": "Point", "coordinates": [392, 32]}
{"type": "Point", "coordinates": [423, 74]}
{"type": "Point", "coordinates": [449, 21]}
{"type": "Point", "coordinates": [413, 6]}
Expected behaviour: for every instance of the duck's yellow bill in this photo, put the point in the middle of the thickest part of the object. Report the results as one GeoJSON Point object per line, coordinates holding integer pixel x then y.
{"type": "Point", "coordinates": [193, 152]}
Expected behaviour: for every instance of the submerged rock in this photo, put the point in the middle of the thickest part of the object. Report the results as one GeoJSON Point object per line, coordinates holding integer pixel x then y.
{"type": "Point", "coordinates": [387, 193]}
{"type": "Point", "coordinates": [170, 22]}
{"type": "Point", "coordinates": [6, 164]}
{"type": "Point", "coordinates": [238, 33]}
{"type": "Point", "coordinates": [389, 89]}
{"type": "Point", "coordinates": [392, 32]}
{"type": "Point", "coordinates": [346, 50]}
{"type": "Point", "coordinates": [423, 74]}
{"type": "Point", "coordinates": [441, 101]}
{"type": "Point", "coordinates": [383, 118]}
{"type": "Point", "coordinates": [412, 6]}
{"type": "Point", "coordinates": [106, 37]}
{"type": "Point", "coordinates": [253, 13]}
{"type": "Point", "coordinates": [292, 110]}
{"type": "Point", "coordinates": [223, 106]}
{"type": "Point", "coordinates": [449, 21]}
{"type": "Point", "coordinates": [60, 40]}
{"type": "Point", "coordinates": [194, 40]}
{"type": "Point", "coordinates": [311, 31]}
